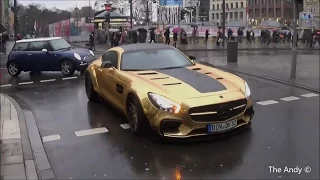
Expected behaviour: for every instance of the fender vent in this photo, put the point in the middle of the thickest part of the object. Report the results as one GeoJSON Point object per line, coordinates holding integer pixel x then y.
{"type": "Point", "coordinates": [171, 84]}
{"type": "Point", "coordinates": [148, 73]}
{"type": "Point", "coordinates": [219, 78]}
{"type": "Point", "coordinates": [196, 69]}
{"type": "Point", "coordinates": [208, 73]}
{"type": "Point", "coordinates": [159, 78]}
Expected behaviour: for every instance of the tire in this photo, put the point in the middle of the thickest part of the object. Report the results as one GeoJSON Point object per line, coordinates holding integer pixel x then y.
{"type": "Point", "coordinates": [67, 67]}
{"type": "Point", "coordinates": [13, 68]}
{"type": "Point", "coordinates": [91, 93]}
{"type": "Point", "coordinates": [138, 122]}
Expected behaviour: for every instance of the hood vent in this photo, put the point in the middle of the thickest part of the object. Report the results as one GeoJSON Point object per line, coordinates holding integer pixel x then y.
{"type": "Point", "coordinates": [219, 78]}
{"type": "Point", "coordinates": [171, 84]}
{"type": "Point", "coordinates": [196, 69]}
{"type": "Point", "coordinates": [148, 73]}
{"type": "Point", "coordinates": [159, 78]}
{"type": "Point", "coordinates": [208, 73]}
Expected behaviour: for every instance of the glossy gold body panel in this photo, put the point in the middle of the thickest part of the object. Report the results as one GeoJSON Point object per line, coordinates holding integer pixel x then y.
{"type": "Point", "coordinates": [105, 80]}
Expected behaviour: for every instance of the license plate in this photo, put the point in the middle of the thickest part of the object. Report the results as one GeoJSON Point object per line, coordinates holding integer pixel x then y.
{"type": "Point", "coordinates": [225, 126]}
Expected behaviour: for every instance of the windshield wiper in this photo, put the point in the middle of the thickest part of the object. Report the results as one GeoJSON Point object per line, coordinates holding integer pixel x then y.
{"type": "Point", "coordinates": [171, 67]}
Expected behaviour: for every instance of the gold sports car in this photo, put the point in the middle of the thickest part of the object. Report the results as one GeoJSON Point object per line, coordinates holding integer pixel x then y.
{"type": "Point", "coordinates": [161, 89]}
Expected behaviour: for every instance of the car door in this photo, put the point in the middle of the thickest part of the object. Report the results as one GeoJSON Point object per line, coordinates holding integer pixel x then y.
{"type": "Point", "coordinates": [106, 77]}
{"type": "Point", "coordinates": [19, 54]}
{"type": "Point", "coordinates": [38, 58]}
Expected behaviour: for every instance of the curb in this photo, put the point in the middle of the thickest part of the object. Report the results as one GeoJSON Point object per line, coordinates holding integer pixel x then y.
{"type": "Point", "coordinates": [32, 146]}
{"type": "Point", "coordinates": [239, 49]}
{"type": "Point", "coordinates": [259, 76]}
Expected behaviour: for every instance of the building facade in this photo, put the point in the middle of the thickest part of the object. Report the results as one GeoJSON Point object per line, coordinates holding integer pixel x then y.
{"type": "Point", "coordinates": [312, 6]}
{"type": "Point", "coordinates": [236, 10]}
{"type": "Point", "coordinates": [278, 10]}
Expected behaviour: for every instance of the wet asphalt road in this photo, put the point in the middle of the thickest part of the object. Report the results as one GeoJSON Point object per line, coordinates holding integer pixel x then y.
{"type": "Point", "coordinates": [282, 134]}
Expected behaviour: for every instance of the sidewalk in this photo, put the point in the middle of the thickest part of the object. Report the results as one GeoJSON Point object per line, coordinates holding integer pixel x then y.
{"type": "Point", "coordinates": [276, 66]}
{"type": "Point", "coordinates": [202, 47]}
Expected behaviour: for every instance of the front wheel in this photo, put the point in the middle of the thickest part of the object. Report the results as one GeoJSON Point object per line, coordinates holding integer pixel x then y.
{"type": "Point", "coordinates": [13, 68]}
{"type": "Point", "coordinates": [91, 93]}
{"type": "Point", "coordinates": [67, 67]}
{"type": "Point", "coordinates": [137, 120]}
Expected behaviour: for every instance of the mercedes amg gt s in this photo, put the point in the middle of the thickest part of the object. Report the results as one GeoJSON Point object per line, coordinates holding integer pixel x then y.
{"type": "Point", "coordinates": [159, 88]}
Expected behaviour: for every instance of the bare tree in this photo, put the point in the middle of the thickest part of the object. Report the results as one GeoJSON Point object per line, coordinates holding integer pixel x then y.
{"type": "Point", "coordinates": [143, 8]}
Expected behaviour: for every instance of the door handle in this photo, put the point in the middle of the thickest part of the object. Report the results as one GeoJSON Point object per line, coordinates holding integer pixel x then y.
{"type": "Point", "coordinates": [29, 54]}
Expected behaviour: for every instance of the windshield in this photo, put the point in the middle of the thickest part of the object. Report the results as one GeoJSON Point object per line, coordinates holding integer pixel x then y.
{"type": "Point", "coordinates": [59, 44]}
{"type": "Point", "coordinates": [153, 59]}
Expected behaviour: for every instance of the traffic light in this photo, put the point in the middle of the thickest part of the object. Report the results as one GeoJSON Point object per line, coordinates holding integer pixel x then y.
{"type": "Point", "coordinates": [182, 14]}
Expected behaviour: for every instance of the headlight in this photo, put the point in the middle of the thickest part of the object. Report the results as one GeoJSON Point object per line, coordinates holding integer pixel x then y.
{"type": "Point", "coordinates": [91, 53]}
{"type": "Point", "coordinates": [77, 56]}
{"type": "Point", "coordinates": [247, 90]}
{"type": "Point", "coordinates": [164, 103]}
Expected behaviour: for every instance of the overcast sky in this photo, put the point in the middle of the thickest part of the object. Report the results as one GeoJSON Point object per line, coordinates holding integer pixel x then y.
{"type": "Point", "coordinates": [60, 4]}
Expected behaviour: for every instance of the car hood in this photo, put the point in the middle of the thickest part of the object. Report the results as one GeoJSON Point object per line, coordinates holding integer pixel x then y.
{"type": "Point", "coordinates": [189, 82]}
{"type": "Point", "coordinates": [81, 51]}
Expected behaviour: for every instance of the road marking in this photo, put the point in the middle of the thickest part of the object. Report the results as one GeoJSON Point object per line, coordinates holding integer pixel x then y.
{"type": "Point", "coordinates": [48, 80]}
{"type": "Point", "coordinates": [23, 83]}
{"type": "Point", "coordinates": [268, 102]}
{"type": "Point", "coordinates": [67, 78]}
{"type": "Point", "coordinates": [310, 95]}
{"type": "Point", "coordinates": [290, 98]}
{"type": "Point", "coordinates": [50, 138]}
{"type": "Point", "coordinates": [6, 85]}
{"type": "Point", "coordinates": [125, 126]}
{"type": "Point", "coordinates": [91, 131]}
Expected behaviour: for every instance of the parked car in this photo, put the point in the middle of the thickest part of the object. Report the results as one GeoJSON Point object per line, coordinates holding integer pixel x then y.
{"type": "Point", "coordinates": [47, 54]}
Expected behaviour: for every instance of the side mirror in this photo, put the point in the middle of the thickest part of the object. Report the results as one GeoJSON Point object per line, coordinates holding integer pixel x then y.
{"type": "Point", "coordinates": [44, 50]}
{"type": "Point", "coordinates": [192, 57]}
{"type": "Point", "coordinates": [106, 64]}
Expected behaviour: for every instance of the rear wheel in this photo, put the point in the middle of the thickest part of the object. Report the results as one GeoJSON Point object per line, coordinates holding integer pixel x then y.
{"type": "Point", "coordinates": [13, 68]}
{"type": "Point", "coordinates": [137, 120]}
{"type": "Point", "coordinates": [67, 67]}
{"type": "Point", "coordinates": [91, 93]}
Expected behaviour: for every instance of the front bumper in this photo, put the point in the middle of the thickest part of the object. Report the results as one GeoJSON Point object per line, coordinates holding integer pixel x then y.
{"type": "Point", "coordinates": [83, 64]}
{"type": "Point", "coordinates": [183, 126]}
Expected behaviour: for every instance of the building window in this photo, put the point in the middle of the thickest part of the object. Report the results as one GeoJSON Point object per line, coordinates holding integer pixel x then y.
{"type": "Point", "coordinates": [255, 2]}
{"type": "Point", "coordinates": [277, 1]}
{"type": "Point", "coordinates": [278, 10]}
{"type": "Point", "coordinates": [218, 6]}
{"type": "Point", "coordinates": [270, 1]}
{"type": "Point", "coordinates": [237, 5]}
{"type": "Point", "coordinates": [217, 15]}
{"type": "Point", "coordinates": [241, 4]}
{"type": "Point", "coordinates": [263, 1]}
{"type": "Point", "coordinates": [231, 15]}
{"type": "Point", "coordinates": [212, 7]}
{"type": "Point", "coordinates": [236, 15]}
{"type": "Point", "coordinates": [241, 15]}
{"type": "Point", "coordinates": [212, 16]}
{"type": "Point", "coordinates": [231, 5]}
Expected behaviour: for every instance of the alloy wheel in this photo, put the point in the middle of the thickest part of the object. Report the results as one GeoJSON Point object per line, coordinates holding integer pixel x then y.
{"type": "Point", "coordinates": [133, 115]}
{"type": "Point", "coordinates": [65, 67]}
{"type": "Point", "coordinates": [13, 68]}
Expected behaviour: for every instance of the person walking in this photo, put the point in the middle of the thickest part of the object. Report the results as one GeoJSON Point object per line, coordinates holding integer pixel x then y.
{"type": "Point", "coordinates": [91, 38]}
{"type": "Point", "coordinates": [152, 36]}
{"type": "Point", "coordinates": [248, 37]}
{"type": "Point", "coordinates": [4, 40]}
{"type": "Point", "coordinates": [206, 37]}
{"type": "Point", "coordinates": [167, 36]}
{"type": "Point", "coordinates": [175, 39]}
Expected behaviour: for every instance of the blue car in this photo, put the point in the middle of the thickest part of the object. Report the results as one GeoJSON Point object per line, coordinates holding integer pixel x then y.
{"type": "Point", "coordinates": [47, 54]}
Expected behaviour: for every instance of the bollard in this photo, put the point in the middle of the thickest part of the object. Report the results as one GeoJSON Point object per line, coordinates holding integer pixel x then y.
{"type": "Point", "coordinates": [232, 51]}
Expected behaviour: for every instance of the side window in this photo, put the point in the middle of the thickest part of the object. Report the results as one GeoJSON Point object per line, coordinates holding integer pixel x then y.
{"type": "Point", "coordinates": [20, 47]}
{"type": "Point", "coordinates": [111, 56]}
{"type": "Point", "coordinates": [38, 45]}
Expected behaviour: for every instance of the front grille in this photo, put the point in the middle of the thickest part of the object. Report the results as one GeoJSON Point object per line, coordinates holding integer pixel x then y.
{"type": "Point", "coordinates": [218, 112]}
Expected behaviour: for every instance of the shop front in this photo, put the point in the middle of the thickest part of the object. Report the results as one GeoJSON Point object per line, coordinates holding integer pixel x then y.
{"type": "Point", "coordinates": [117, 21]}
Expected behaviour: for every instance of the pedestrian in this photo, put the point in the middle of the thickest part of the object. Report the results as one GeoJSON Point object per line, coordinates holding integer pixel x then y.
{"type": "Point", "coordinates": [206, 37]}
{"type": "Point", "coordinates": [91, 37]}
{"type": "Point", "coordinates": [134, 37]}
{"type": "Point", "coordinates": [248, 37]}
{"type": "Point", "coordinates": [152, 36]}
{"type": "Point", "coordinates": [252, 36]}
{"type": "Point", "coordinates": [175, 39]}
{"type": "Point", "coordinates": [167, 36]}
{"type": "Point", "coordinates": [230, 32]}
{"type": "Point", "coordinates": [4, 40]}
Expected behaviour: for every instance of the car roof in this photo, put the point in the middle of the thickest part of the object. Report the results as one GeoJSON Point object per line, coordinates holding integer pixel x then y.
{"type": "Point", "coordinates": [144, 46]}
{"type": "Point", "coordinates": [38, 39]}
